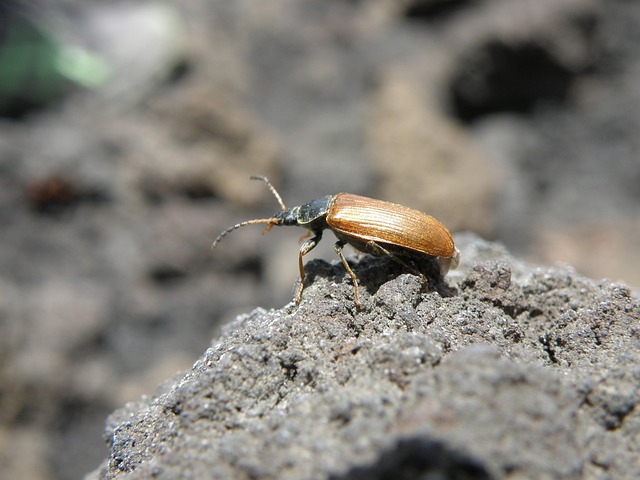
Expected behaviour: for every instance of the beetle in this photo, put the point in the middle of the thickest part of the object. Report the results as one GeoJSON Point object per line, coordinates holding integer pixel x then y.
{"type": "Point", "coordinates": [371, 226]}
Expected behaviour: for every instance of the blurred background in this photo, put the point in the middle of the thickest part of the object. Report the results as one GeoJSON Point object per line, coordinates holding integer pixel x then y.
{"type": "Point", "coordinates": [129, 130]}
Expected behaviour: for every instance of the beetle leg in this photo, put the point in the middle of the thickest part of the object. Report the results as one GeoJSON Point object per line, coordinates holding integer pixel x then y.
{"type": "Point", "coordinates": [376, 249]}
{"type": "Point", "coordinates": [338, 248]}
{"type": "Point", "coordinates": [305, 248]}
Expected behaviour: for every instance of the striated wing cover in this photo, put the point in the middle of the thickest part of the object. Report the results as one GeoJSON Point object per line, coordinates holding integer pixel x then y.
{"type": "Point", "coordinates": [388, 223]}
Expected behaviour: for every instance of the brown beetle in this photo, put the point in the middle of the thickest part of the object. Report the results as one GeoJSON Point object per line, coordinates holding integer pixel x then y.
{"type": "Point", "coordinates": [371, 226]}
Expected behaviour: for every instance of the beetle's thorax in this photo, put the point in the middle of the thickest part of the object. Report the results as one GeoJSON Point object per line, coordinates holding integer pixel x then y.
{"type": "Point", "coordinates": [313, 215]}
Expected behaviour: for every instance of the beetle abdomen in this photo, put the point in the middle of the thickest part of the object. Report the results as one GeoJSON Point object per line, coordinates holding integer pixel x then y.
{"type": "Point", "coordinates": [366, 219]}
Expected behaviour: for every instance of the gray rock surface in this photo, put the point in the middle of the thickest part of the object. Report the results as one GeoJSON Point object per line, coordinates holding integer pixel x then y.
{"type": "Point", "coordinates": [501, 370]}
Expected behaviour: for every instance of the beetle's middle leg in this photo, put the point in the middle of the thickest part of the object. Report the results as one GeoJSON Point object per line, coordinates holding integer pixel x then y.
{"type": "Point", "coordinates": [338, 248]}
{"type": "Point", "coordinates": [305, 248]}
{"type": "Point", "coordinates": [378, 250]}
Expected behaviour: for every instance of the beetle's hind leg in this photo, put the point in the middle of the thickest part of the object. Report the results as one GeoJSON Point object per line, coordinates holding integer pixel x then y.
{"type": "Point", "coordinates": [338, 248]}
{"type": "Point", "coordinates": [375, 249]}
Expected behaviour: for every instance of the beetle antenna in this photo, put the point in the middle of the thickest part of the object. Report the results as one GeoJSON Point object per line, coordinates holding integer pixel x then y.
{"type": "Point", "coordinates": [272, 188]}
{"type": "Point", "coordinates": [270, 221]}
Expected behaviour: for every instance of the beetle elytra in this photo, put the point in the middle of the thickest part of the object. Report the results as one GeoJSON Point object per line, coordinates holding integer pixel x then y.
{"type": "Point", "coordinates": [371, 226]}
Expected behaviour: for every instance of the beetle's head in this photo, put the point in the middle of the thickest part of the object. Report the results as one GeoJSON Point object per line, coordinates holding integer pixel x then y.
{"type": "Point", "coordinates": [286, 217]}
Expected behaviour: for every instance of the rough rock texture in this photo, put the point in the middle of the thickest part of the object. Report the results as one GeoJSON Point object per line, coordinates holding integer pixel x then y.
{"type": "Point", "coordinates": [503, 370]}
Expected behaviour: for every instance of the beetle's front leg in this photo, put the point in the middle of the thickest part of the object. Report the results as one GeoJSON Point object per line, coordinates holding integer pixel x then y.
{"type": "Point", "coordinates": [338, 248]}
{"type": "Point", "coordinates": [305, 248]}
{"type": "Point", "coordinates": [378, 250]}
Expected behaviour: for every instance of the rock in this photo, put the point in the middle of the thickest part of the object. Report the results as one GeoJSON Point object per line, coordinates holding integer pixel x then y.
{"type": "Point", "coordinates": [501, 367]}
